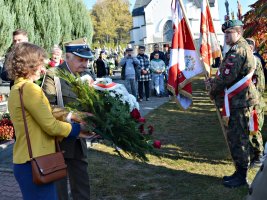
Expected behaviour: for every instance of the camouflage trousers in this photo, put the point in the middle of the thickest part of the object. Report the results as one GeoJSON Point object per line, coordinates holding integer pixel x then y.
{"type": "Point", "coordinates": [238, 136]}
{"type": "Point", "coordinates": [256, 143]}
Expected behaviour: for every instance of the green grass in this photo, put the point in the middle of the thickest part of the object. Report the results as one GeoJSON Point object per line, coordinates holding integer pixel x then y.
{"type": "Point", "coordinates": [194, 157]}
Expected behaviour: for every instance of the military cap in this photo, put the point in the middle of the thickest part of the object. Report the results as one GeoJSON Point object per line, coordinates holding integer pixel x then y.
{"type": "Point", "coordinates": [79, 48]}
{"type": "Point", "coordinates": [230, 24]}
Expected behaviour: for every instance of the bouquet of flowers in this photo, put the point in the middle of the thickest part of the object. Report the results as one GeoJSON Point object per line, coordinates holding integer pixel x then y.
{"type": "Point", "coordinates": [111, 107]}
{"type": "Point", "coordinates": [6, 128]}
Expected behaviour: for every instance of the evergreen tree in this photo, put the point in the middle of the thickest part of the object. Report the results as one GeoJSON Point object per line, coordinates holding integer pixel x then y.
{"type": "Point", "coordinates": [65, 20]}
{"type": "Point", "coordinates": [82, 24]}
{"type": "Point", "coordinates": [23, 19]}
{"type": "Point", "coordinates": [7, 25]}
{"type": "Point", "coordinates": [46, 22]}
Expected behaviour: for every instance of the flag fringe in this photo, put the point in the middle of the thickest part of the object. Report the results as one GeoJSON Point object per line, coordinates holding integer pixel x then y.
{"type": "Point", "coordinates": [182, 94]}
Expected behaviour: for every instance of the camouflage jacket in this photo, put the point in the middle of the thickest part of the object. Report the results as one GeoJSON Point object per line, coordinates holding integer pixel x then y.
{"type": "Point", "coordinates": [237, 63]}
{"type": "Point", "coordinates": [259, 81]}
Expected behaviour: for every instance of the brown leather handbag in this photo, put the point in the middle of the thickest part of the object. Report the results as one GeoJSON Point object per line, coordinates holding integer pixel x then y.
{"type": "Point", "coordinates": [46, 168]}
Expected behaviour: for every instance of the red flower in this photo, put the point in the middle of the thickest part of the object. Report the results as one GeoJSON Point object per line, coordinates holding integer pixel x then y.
{"type": "Point", "coordinates": [135, 114]}
{"type": "Point", "coordinates": [157, 144]}
{"type": "Point", "coordinates": [142, 120]}
{"type": "Point", "coordinates": [52, 63]}
{"type": "Point", "coordinates": [150, 129]}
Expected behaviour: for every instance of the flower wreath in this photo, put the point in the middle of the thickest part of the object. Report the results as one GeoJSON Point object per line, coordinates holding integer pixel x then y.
{"type": "Point", "coordinates": [119, 91]}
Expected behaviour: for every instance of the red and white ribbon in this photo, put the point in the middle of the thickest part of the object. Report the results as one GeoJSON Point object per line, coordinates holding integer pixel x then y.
{"type": "Point", "coordinates": [253, 121]}
{"type": "Point", "coordinates": [234, 90]}
{"type": "Point", "coordinates": [104, 84]}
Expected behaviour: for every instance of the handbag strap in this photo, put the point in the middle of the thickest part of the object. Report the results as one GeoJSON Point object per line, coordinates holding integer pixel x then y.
{"type": "Point", "coordinates": [25, 121]}
{"type": "Point", "coordinates": [26, 125]}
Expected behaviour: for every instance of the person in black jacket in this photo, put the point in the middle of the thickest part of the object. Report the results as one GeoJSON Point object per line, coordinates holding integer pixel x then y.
{"type": "Point", "coordinates": [19, 36]}
{"type": "Point", "coordinates": [156, 50]}
{"type": "Point", "coordinates": [101, 65]}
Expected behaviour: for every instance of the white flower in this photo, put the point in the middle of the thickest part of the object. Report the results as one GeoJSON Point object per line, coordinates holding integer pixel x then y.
{"type": "Point", "coordinates": [117, 90]}
{"type": "Point", "coordinates": [112, 94]}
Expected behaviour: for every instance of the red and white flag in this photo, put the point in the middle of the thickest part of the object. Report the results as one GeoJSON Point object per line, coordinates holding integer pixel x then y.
{"type": "Point", "coordinates": [184, 59]}
{"type": "Point", "coordinates": [209, 46]}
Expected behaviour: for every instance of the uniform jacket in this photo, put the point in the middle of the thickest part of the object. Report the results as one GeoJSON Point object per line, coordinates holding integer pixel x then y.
{"type": "Point", "coordinates": [74, 148]}
{"type": "Point", "coordinates": [42, 125]}
{"type": "Point", "coordinates": [259, 81]}
{"type": "Point", "coordinates": [237, 63]}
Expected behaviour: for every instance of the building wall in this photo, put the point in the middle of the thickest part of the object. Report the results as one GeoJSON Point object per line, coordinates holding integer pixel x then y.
{"type": "Point", "coordinates": [158, 12]}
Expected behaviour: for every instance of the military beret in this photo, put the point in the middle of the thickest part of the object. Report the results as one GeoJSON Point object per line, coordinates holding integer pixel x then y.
{"type": "Point", "coordinates": [230, 24]}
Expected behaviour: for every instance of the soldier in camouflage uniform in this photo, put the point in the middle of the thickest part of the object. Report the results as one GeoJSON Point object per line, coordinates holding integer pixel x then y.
{"type": "Point", "coordinates": [255, 137]}
{"type": "Point", "coordinates": [237, 64]}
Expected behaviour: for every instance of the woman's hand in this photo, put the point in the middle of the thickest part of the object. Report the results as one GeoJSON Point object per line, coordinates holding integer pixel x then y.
{"type": "Point", "coordinates": [78, 116]}
{"type": "Point", "coordinates": [85, 132]}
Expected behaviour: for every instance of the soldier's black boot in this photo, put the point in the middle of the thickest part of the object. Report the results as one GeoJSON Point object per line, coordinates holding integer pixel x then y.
{"type": "Point", "coordinates": [227, 178]}
{"type": "Point", "coordinates": [238, 180]}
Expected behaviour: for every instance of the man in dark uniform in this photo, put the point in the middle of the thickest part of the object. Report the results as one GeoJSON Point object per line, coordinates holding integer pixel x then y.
{"type": "Point", "coordinates": [235, 80]}
{"type": "Point", "coordinates": [60, 94]}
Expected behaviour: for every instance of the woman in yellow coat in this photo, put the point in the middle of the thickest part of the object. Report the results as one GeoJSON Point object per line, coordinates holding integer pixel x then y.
{"type": "Point", "coordinates": [25, 65]}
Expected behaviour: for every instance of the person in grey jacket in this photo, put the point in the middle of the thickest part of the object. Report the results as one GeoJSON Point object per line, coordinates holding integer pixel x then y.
{"type": "Point", "coordinates": [157, 66]}
{"type": "Point", "coordinates": [130, 71]}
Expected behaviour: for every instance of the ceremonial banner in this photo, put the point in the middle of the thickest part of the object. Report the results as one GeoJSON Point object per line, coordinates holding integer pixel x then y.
{"type": "Point", "coordinates": [209, 46]}
{"type": "Point", "coordinates": [184, 59]}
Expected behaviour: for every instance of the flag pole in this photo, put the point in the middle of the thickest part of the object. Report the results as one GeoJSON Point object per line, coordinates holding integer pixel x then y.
{"type": "Point", "coordinates": [205, 74]}
{"type": "Point", "coordinates": [221, 57]}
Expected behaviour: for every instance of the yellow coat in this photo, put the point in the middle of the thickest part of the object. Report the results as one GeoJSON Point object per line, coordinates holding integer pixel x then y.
{"type": "Point", "coordinates": [42, 125]}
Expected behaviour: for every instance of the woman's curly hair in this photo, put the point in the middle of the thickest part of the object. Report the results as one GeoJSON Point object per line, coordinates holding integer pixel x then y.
{"type": "Point", "coordinates": [23, 60]}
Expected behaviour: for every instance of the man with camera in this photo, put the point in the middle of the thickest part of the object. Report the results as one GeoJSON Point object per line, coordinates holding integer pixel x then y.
{"type": "Point", "coordinates": [129, 71]}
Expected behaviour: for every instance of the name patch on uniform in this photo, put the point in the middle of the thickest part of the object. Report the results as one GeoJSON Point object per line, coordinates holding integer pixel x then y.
{"type": "Point", "coordinates": [226, 71]}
